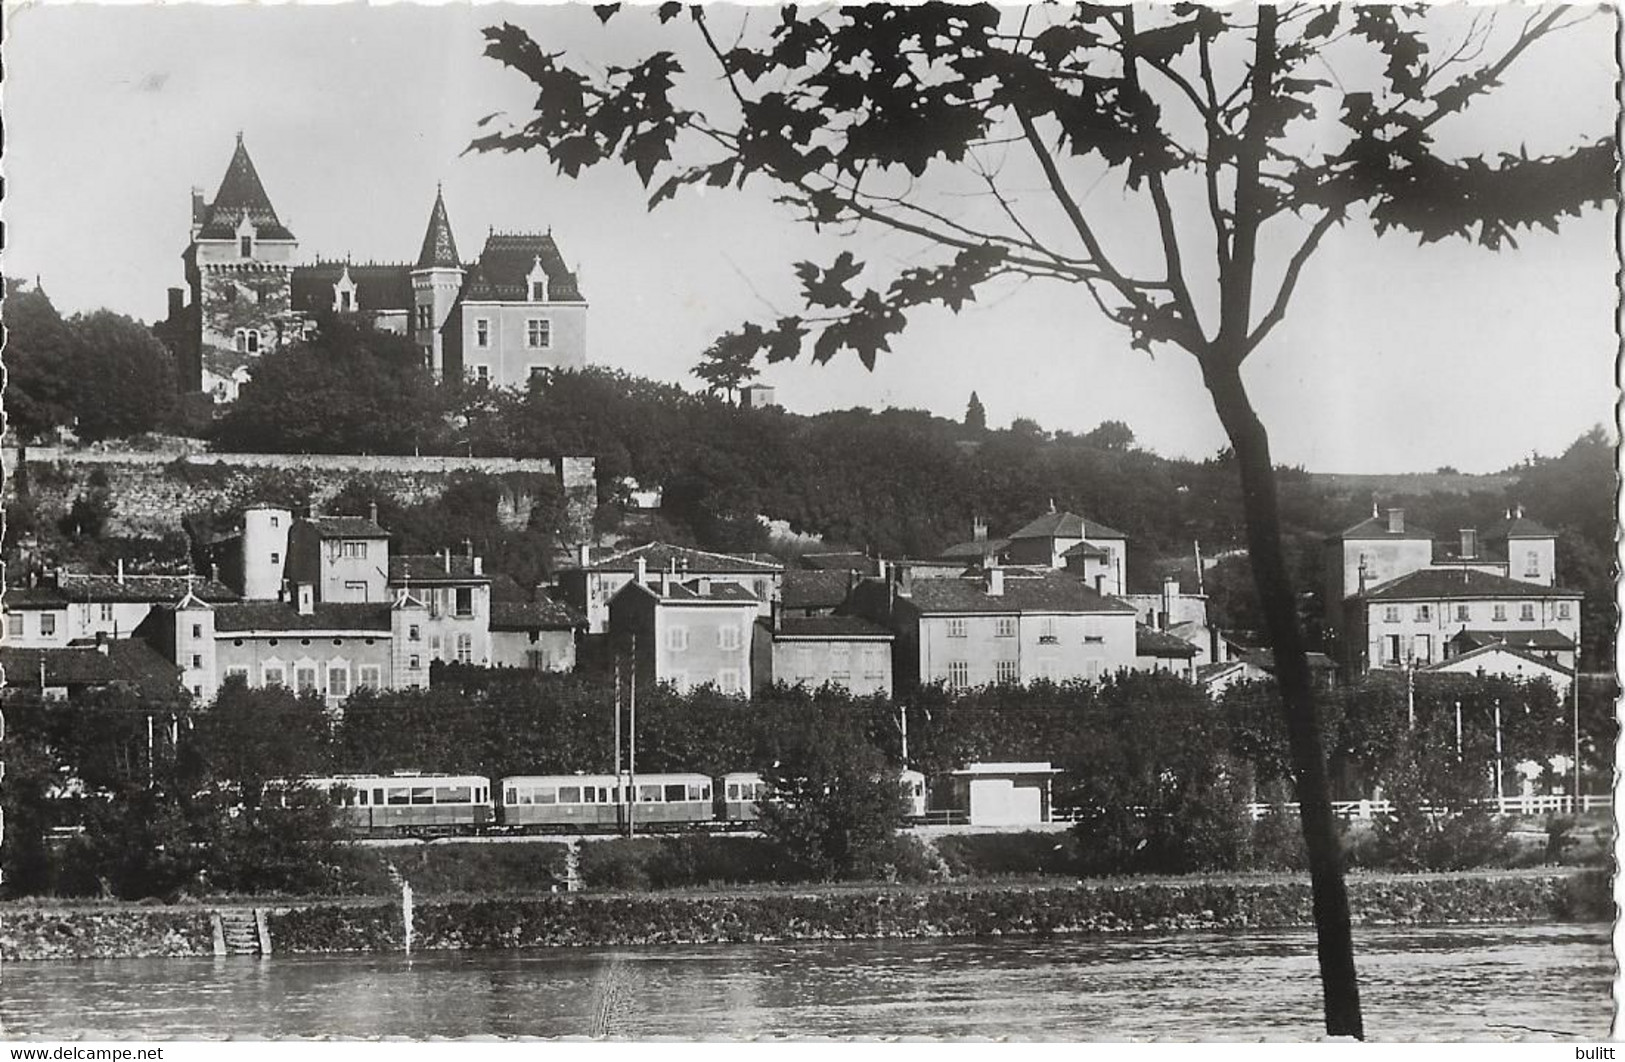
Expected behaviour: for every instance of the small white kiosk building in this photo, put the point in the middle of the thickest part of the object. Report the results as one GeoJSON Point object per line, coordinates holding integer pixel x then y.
{"type": "Point", "coordinates": [1005, 794]}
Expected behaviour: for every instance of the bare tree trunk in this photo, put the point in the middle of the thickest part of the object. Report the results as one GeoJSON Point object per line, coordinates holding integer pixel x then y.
{"type": "Point", "coordinates": [1250, 441]}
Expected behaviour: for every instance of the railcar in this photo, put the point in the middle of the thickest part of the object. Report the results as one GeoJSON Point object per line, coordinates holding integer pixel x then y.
{"type": "Point", "coordinates": [741, 792]}
{"type": "Point", "coordinates": [407, 804]}
{"type": "Point", "coordinates": [592, 802]}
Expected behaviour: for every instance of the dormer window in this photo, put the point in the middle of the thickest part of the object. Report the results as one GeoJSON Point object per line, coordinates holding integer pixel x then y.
{"type": "Point", "coordinates": [246, 246]}
{"type": "Point", "coordinates": [346, 301]}
{"type": "Point", "coordinates": [245, 238]}
{"type": "Point", "coordinates": [537, 281]}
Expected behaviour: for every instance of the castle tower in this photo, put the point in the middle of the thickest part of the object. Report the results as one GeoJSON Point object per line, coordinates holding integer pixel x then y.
{"type": "Point", "coordinates": [436, 281]}
{"type": "Point", "coordinates": [265, 551]}
{"type": "Point", "coordinates": [239, 266]}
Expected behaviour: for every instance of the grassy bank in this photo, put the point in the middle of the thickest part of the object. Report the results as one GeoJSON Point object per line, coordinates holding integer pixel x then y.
{"type": "Point", "coordinates": [823, 913]}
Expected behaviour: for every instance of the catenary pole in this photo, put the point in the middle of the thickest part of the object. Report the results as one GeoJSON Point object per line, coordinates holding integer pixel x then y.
{"type": "Point", "coordinates": [632, 746]}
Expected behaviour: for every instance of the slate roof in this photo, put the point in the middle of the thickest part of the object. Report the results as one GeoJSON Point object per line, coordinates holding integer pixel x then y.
{"type": "Point", "coordinates": [506, 262]}
{"type": "Point", "coordinates": [803, 589]}
{"type": "Point", "coordinates": [439, 249]}
{"type": "Point", "coordinates": [241, 192]}
{"type": "Point", "coordinates": [29, 598]}
{"type": "Point", "coordinates": [433, 568]}
{"type": "Point", "coordinates": [1520, 526]}
{"type": "Point", "coordinates": [843, 560]}
{"type": "Point", "coordinates": [1376, 527]}
{"type": "Point", "coordinates": [1065, 525]}
{"type": "Point", "coordinates": [127, 661]}
{"type": "Point", "coordinates": [976, 550]}
{"type": "Point", "coordinates": [658, 557]}
{"type": "Point", "coordinates": [1049, 592]}
{"type": "Point", "coordinates": [534, 616]}
{"type": "Point", "coordinates": [1538, 661]}
{"type": "Point", "coordinates": [283, 616]}
{"type": "Point", "coordinates": [378, 286]}
{"type": "Point", "coordinates": [1149, 642]}
{"type": "Point", "coordinates": [685, 593]}
{"type": "Point", "coordinates": [825, 627]}
{"type": "Point", "coordinates": [1086, 549]}
{"type": "Point", "coordinates": [347, 527]}
{"type": "Point", "coordinates": [1264, 659]}
{"type": "Point", "coordinates": [1433, 585]}
{"type": "Point", "coordinates": [1543, 639]}
{"type": "Point", "coordinates": [139, 588]}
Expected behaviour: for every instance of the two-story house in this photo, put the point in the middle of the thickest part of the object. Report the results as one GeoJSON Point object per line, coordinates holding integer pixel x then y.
{"type": "Point", "coordinates": [594, 581]}
{"type": "Point", "coordinates": [70, 607]}
{"type": "Point", "coordinates": [846, 651]}
{"type": "Point", "coordinates": [457, 594]}
{"type": "Point", "coordinates": [1000, 625]}
{"type": "Point", "coordinates": [688, 633]}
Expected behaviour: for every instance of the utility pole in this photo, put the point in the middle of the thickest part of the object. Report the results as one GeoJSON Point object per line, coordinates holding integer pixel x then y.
{"type": "Point", "coordinates": [902, 715]}
{"type": "Point", "coordinates": [1458, 731]}
{"type": "Point", "coordinates": [1410, 696]}
{"type": "Point", "coordinates": [632, 747]}
{"type": "Point", "coordinates": [149, 750]}
{"type": "Point", "coordinates": [620, 783]}
{"type": "Point", "coordinates": [1498, 790]}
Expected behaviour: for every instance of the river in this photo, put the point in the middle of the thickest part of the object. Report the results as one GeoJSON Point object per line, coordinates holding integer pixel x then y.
{"type": "Point", "coordinates": [1448, 983]}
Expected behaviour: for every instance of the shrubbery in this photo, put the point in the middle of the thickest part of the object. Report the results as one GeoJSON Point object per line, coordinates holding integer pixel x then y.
{"type": "Point", "coordinates": [628, 863]}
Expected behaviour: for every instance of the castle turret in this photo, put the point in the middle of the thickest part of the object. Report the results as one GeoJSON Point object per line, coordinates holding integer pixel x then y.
{"type": "Point", "coordinates": [436, 281]}
{"type": "Point", "coordinates": [265, 551]}
{"type": "Point", "coordinates": [239, 265]}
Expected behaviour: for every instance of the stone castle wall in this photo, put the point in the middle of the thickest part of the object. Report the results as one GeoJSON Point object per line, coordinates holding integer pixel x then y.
{"type": "Point", "coordinates": [153, 490]}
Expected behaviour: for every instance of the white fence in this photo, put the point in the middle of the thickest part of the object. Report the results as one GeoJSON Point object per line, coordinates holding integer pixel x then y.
{"type": "Point", "coordinates": [1509, 805]}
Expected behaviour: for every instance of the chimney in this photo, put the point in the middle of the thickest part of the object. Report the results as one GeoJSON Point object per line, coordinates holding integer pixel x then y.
{"type": "Point", "coordinates": [214, 573]}
{"type": "Point", "coordinates": [1396, 521]}
{"type": "Point", "coordinates": [705, 586]}
{"type": "Point", "coordinates": [307, 599]}
{"type": "Point", "coordinates": [468, 548]}
{"type": "Point", "coordinates": [1469, 543]}
{"type": "Point", "coordinates": [177, 303]}
{"type": "Point", "coordinates": [905, 581]}
{"type": "Point", "coordinates": [585, 555]}
{"type": "Point", "coordinates": [776, 609]}
{"type": "Point", "coordinates": [445, 558]}
{"type": "Point", "coordinates": [978, 529]}
{"type": "Point", "coordinates": [660, 581]}
{"type": "Point", "coordinates": [880, 568]}
{"type": "Point", "coordinates": [121, 571]}
{"type": "Point", "coordinates": [479, 565]}
{"type": "Point", "coordinates": [1517, 511]}
{"type": "Point", "coordinates": [642, 576]}
{"type": "Point", "coordinates": [1170, 594]}
{"type": "Point", "coordinates": [200, 207]}
{"type": "Point", "coordinates": [372, 511]}
{"type": "Point", "coordinates": [995, 582]}
{"type": "Point", "coordinates": [1365, 575]}
{"type": "Point", "coordinates": [101, 643]}
{"type": "Point", "coordinates": [1213, 645]}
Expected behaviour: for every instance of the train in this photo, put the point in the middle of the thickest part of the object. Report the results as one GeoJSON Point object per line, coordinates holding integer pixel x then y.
{"type": "Point", "coordinates": [408, 804]}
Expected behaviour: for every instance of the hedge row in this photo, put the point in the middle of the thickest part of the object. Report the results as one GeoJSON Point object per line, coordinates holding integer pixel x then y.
{"type": "Point", "coordinates": [103, 932]}
{"type": "Point", "coordinates": [587, 920]}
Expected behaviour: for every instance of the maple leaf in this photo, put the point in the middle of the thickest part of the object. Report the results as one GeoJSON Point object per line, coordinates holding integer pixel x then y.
{"type": "Point", "coordinates": [827, 287]}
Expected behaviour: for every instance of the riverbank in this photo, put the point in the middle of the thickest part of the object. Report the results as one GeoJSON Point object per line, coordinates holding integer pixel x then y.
{"type": "Point", "coordinates": [38, 931]}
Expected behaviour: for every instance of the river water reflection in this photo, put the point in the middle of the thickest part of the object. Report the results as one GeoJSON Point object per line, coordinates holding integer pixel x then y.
{"type": "Point", "coordinates": [1444, 983]}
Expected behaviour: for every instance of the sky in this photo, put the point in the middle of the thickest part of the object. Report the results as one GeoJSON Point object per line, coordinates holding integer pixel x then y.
{"type": "Point", "coordinates": [1394, 358]}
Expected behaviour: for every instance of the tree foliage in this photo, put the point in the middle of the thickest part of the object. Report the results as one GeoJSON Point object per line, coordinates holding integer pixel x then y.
{"type": "Point", "coordinates": [40, 383]}
{"type": "Point", "coordinates": [349, 388]}
{"type": "Point", "coordinates": [124, 378]}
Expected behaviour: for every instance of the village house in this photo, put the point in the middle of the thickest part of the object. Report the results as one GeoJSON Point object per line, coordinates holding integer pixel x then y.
{"type": "Point", "coordinates": [1398, 597]}
{"type": "Point", "coordinates": [102, 663]}
{"type": "Point", "coordinates": [1017, 625]}
{"type": "Point", "coordinates": [589, 586]}
{"type": "Point", "coordinates": [688, 632]}
{"type": "Point", "coordinates": [457, 594]}
{"type": "Point", "coordinates": [845, 651]}
{"type": "Point", "coordinates": [67, 607]}
{"type": "Point", "coordinates": [539, 634]}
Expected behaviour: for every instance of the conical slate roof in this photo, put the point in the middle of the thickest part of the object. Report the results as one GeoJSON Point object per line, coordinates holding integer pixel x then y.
{"type": "Point", "coordinates": [439, 249]}
{"type": "Point", "coordinates": [242, 193]}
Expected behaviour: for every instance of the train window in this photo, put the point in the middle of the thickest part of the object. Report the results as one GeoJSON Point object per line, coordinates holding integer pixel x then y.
{"type": "Point", "coordinates": [569, 794]}
{"type": "Point", "coordinates": [733, 791]}
{"type": "Point", "coordinates": [675, 793]}
{"type": "Point", "coordinates": [511, 797]}
{"type": "Point", "coordinates": [648, 794]}
{"type": "Point", "coordinates": [377, 796]}
{"type": "Point", "coordinates": [453, 794]}
{"type": "Point", "coordinates": [399, 796]}
{"type": "Point", "coordinates": [422, 794]}
{"type": "Point", "coordinates": [589, 794]}
{"type": "Point", "coordinates": [699, 792]}
{"type": "Point", "coordinates": [546, 795]}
